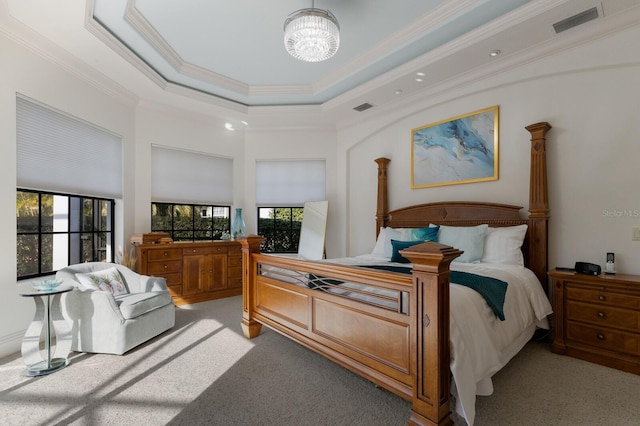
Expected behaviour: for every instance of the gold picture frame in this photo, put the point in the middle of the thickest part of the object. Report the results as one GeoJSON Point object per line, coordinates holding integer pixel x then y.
{"type": "Point", "coordinates": [462, 149]}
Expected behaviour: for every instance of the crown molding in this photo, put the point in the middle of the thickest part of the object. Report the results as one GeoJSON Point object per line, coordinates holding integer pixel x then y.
{"type": "Point", "coordinates": [101, 33]}
{"type": "Point", "coordinates": [159, 44]}
{"type": "Point", "coordinates": [205, 97]}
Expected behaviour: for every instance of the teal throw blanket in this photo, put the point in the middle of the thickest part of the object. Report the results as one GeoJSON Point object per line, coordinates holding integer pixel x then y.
{"type": "Point", "coordinates": [491, 289]}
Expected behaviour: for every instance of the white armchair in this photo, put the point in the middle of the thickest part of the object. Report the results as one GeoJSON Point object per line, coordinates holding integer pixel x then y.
{"type": "Point", "coordinates": [104, 323]}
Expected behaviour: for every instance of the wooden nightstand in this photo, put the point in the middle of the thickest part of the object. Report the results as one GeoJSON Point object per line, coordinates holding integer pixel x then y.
{"type": "Point", "coordinates": [597, 318]}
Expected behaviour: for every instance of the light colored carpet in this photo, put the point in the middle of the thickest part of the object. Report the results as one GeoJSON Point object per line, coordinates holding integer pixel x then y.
{"type": "Point", "coordinates": [204, 372]}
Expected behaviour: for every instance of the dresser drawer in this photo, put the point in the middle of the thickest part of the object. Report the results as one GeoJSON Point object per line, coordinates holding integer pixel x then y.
{"type": "Point", "coordinates": [175, 290]}
{"type": "Point", "coordinates": [164, 254]}
{"type": "Point", "coordinates": [603, 338]}
{"type": "Point", "coordinates": [600, 294]}
{"type": "Point", "coordinates": [204, 250]}
{"type": "Point", "coordinates": [162, 268]}
{"type": "Point", "coordinates": [234, 282]}
{"type": "Point", "coordinates": [235, 261]}
{"type": "Point", "coordinates": [174, 278]}
{"type": "Point", "coordinates": [235, 271]}
{"type": "Point", "coordinates": [603, 315]}
{"type": "Point", "coordinates": [235, 250]}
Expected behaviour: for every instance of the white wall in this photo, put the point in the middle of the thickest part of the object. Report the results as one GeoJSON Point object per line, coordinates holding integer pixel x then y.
{"type": "Point", "coordinates": [591, 97]}
{"type": "Point", "coordinates": [23, 72]}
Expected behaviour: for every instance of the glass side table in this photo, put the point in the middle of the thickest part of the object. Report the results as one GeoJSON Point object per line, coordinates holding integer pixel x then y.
{"type": "Point", "coordinates": [49, 317]}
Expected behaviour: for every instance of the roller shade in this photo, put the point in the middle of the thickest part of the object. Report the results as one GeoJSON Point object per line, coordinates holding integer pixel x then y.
{"type": "Point", "coordinates": [59, 153]}
{"type": "Point", "coordinates": [181, 176]}
{"type": "Point", "coordinates": [285, 183]}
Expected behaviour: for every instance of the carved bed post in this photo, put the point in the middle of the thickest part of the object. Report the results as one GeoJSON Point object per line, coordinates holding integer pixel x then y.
{"type": "Point", "coordinates": [382, 212]}
{"type": "Point", "coordinates": [430, 330]}
{"type": "Point", "coordinates": [251, 244]}
{"type": "Point", "coordinates": [539, 201]}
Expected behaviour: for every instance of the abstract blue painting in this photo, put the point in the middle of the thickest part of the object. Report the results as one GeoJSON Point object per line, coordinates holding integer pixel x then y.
{"type": "Point", "coordinates": [462, 149]}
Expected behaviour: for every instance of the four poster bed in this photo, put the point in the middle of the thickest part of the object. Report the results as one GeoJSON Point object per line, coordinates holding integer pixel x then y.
{"type": "Point", "coordinates": [401, 324]}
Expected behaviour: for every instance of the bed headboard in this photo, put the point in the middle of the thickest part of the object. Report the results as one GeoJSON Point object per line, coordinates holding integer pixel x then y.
{"type": "Point", "coordinates": [465, 213]}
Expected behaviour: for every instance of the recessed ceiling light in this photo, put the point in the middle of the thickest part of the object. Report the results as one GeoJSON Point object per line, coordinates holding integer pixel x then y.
{"type": "Point", "coordinates": [420, 74]}
{"type": "Point", "coordinates": [494, 53]}
{"type": "Point", "coordinates": [245, 123]}
{"type": "Point", "coordinates": [398, 91]}
{"type": "Point", "coordinates": [229, 127]}
{"type": "Point", "coordinates": [419, 80]}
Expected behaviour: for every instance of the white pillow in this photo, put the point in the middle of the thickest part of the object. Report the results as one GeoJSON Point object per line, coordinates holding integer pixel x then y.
{"type": "Point", "coordinates": [378, 250]}
{"type": "Point", "coordinates": [470, 239]}
{"type": "Point", "coordinates": [108, 280]}
{"type": "Point", "coordinates": [503, 245]}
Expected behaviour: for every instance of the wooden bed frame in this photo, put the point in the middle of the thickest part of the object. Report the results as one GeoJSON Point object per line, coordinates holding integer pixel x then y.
{"type": "Point", "coordinates": [406, 353]}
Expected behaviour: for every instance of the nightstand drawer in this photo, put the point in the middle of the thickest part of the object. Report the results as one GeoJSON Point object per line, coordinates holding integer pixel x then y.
{"type": "Point", "coordinates": [154, 268]}
{"type": "Point", "coordinates": [597, 318]}
{"type": "Point", "coordinates": [617, 341]}
{"type": "Point", "coordinates": [602, 296]}
{"type": "Point", "coordinates": [603, 315]}
{"type": "Point", "coordinates": [164, 254]}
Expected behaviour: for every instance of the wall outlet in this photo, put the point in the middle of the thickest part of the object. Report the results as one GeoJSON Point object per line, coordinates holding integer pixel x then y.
{"type": "Point", "coordinates": [636, 233]}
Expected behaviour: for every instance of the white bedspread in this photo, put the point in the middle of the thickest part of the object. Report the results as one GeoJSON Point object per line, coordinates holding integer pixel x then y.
{"type": "Point", "coordinates": [481, 344]}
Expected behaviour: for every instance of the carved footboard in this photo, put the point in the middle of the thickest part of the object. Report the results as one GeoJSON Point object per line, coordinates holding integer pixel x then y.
{"type": "Point", "coordinates": [398, 339]}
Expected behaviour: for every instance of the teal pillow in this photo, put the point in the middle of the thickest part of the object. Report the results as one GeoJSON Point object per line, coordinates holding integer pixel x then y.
{"type": "Point", "coordinates": [425, 234]}
{"type": "Point", "coordinates": [469, 239]}
{"type": "Point", "coordinates": [401, 245]}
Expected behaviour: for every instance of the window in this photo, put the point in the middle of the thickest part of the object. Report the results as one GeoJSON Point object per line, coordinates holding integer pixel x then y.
{"type": "Point", "coordinates": [191, 194]}
{"type": "Point", "coordinates": [280, 226]}
{"type": "Point", "coordinates": [56, 230]}
{"type": "Point", "coordinates": [282, 188]}
{"type": "Point", "coordinates": [191, 222]}
{"type": "Point", "coordinates": [65, 216]}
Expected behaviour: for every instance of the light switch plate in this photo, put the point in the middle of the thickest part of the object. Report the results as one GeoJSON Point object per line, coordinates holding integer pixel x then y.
{"type": "Point", "coordinates": [636, 234]}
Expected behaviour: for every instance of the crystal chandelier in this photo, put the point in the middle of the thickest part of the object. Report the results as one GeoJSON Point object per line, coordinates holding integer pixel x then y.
{"type": "Point", "coordinates": [311, 35]}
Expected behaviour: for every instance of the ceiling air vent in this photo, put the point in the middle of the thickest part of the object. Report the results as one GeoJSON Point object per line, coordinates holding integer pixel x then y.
{"type": "Point", "coordinates": [577, 19]}
{"type": "Point", "coordinates": [365, 106]}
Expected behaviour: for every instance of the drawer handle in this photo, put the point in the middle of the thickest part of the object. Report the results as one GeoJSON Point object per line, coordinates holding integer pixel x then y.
{"type": "Point", "coordinates": [165, 266]}
{"type": "Point", "coordinates": [600, 336]}
{"type": "Point", "coordinates": [601, 314]}
{"type": "Point", "coordinates": [166, 253]}
{"type": "Point", "coordinates": [194, 250]}
{"type": "Point", "coordinates": [601, 297]}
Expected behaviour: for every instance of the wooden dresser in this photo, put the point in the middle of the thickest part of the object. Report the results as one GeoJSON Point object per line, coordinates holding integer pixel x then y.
{"type": "Point", "coordinates": [597, 318]}
{"type": "Point", "coordinates": [195, 271]}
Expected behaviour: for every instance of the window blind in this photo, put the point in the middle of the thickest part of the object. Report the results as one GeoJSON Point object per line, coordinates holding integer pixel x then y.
{"type": "Point", "coordinates": [285, 183]}
{"type": "Point", "coordinates": [60, 153]}
{"type": "Point", "coordinates": [180, 176]}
